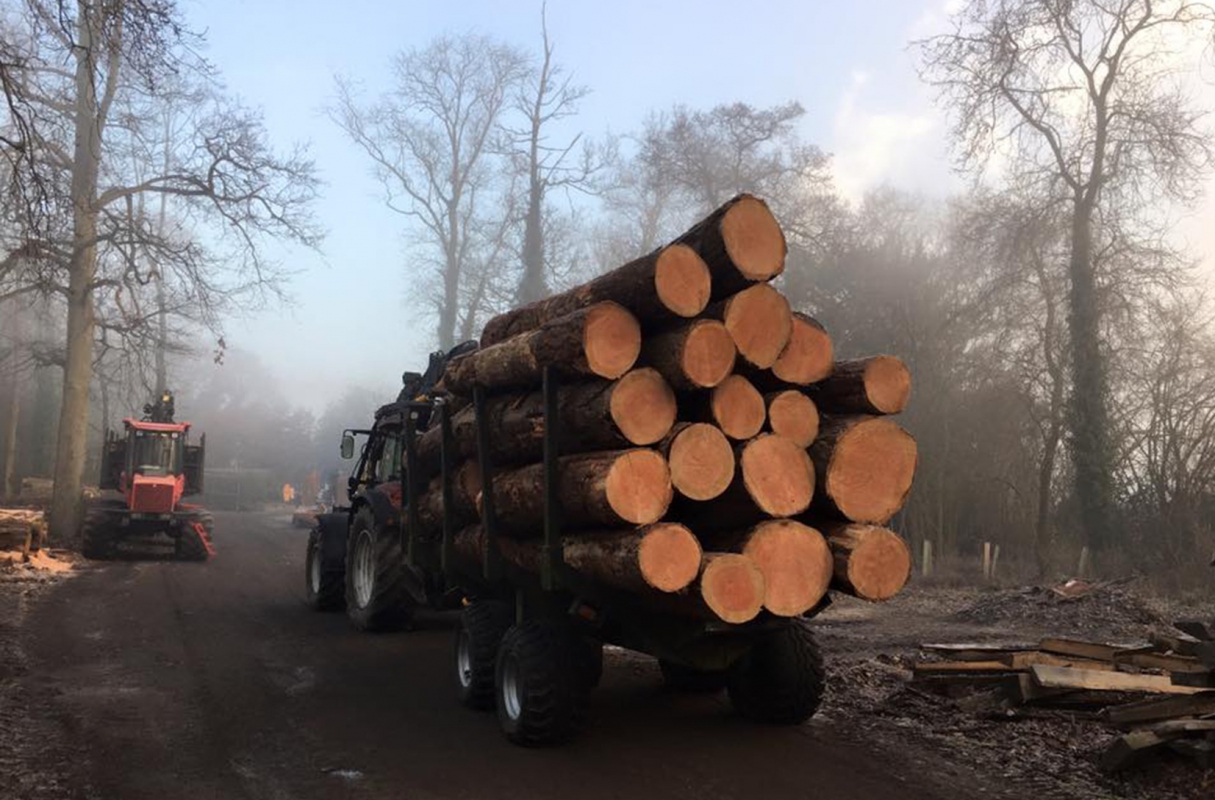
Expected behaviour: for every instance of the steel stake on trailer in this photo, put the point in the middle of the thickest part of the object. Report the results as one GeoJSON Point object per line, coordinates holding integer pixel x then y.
{"type": "Point", "coordinates": [552, 556]}
{"type": "Point", "coordinates": [492, 564]}
{"type": "Point", "coordinates": [446, 458]}
{"type": "Point", "coordinates": [409, 509]}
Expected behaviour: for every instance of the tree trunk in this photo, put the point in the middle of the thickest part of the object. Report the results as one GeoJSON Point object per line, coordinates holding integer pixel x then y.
{"type": "Point", "coordinates": [602, 340]}
{"type": "Point", "coordinates": [1090, 423]}
{"type": "Point", "coordinates": [12, 416]}
{"type": "Point", "coordinates": [734, 405]}
{"type": "Point", "coordinates": [638, 409]}
{"type": "Point", "coordinates": [70, 451]}
{"type": "Point", "coordinates": [732, 586]}
{"type": "Point", "coordinates": [700, 459]}
{"type": "Point", "coordinates": [793, 415]}
{"type": "Point", "coordinates": [793, 557]}
{"type": "Point", "coordinates": [864, 467]}
{"type": "Point", "coordinates": [742, 244]}
{"type": "Point", "coordinates": [807, 358]}
{"type": "Point", "coordinates": [871, 562]}
{"type": "Point", "coordinates": [628, 487]}
{"type": "Point", "coordinates": [759, 321]}
{"type": "Point", "coordinates": [667, 285]}
{"type": "Point", "coordinates": [874, 385]}
{"type": "Point", "coordinates": [698, 355]}
{"type": "Point", "coordinates": [531, 283]}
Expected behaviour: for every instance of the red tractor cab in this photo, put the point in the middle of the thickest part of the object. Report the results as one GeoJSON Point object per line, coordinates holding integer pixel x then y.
{"type": "Point", "coordinates": [145, 473]}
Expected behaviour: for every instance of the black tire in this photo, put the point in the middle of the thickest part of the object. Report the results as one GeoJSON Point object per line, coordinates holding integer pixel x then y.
{"type": "Point", "coordinates": [483, 623]}
{"type": "Point", "coordinates": [376, 595]}
{"type": "Point", "coordinates": [591, 662]}
{"type": "Point", "coordinates": [781, 680]}
{"type": "Point", "coordinates": [539, 686]}
{"type": "Point", "coordinates": [96, 535]}
{"type": "Point", "coordinates": [324, 585]}
{"type": "Point", "coordinates": [680, 678]}
{"type": "Point", "coordinates": [189, 545]}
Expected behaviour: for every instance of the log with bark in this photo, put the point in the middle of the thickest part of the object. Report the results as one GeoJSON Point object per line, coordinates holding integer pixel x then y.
{"type": "Point", "coordinates": [623, 487]}
{"type": "Point", "coordinates": [742, 244]}
{"type": "Point", "coordinates": [670, 283]}
{"type": "Point", "coordinates": [806, 359]}
{"type": "Point", "coordinates": [698, 355]}
{"type": "Point", "coordinates": [793, 415]}
{"type": "Point", "coordinates": [602, 340]}
{"type": "Point", "coordinates": [700, 459]}
{"type": "Point", "coordinates": [864, 465]}
{"type": "Point", "coordinates": [466, 488]}
{"type": "Point", "coordinates": [794, 558]}
{"type": "Point", "coordinates": [870, 562]}
{"type": "Point", "coordinates": [637, 409]}
{"type": "Point", "coordinates": [874, 385]}
{"type": "Point", "coordinates": [759, 321]}
{"type": "Point", "coordinates": [20, 529]}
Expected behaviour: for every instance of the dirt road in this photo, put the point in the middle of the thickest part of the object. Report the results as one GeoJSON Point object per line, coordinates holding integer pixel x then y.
{"type": "Point", "coordinates": [156, 680]}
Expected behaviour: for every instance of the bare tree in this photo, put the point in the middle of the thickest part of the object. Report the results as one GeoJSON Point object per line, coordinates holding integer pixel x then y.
{"type": "Point", "coordinates": [1084, 98]}
{"type": "Point", "coordinates": [430, 140]}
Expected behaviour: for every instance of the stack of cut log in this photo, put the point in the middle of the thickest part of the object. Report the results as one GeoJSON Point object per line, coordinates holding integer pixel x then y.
{"type": "Point", "coordinates": [715, 457]}
{"type": "Point", "coordinates": [21, 529]}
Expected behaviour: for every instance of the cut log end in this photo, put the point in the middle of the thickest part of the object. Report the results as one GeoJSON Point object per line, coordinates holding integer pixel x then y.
{"type": "Point", "coordinates": [643, 406]}
{"type": "Point", "coordinates": [738, 408]}
{"type": "Point", "coordinates": [732, 586]}
{"type": "Point", "coordinates": [753, 239]}
{"type": "Point", "coordinates": [708, 354]}
{"type": "Point", "coordinates": [808, 356]}
{"type": "Point", "coordinates": [796, 563]}
{"type": "Point", "coordinates": [611, 340]}
{"type": "Point", "coordinates": [701, 462]}
{"type": "Point", "coordinates": [778, 475]}
{"type": "Point", "coordinates": [682, 280]}
{"type": "Point", "coordinates": [638, 486]}
{"type": "Point", "coordinates": [793, 415]}
{"type": "Point", "coordinates": [760, 322]}
{"type": "Point", "coordinates": [887, 384]}
{"type": "Point", "coordinates": [871, 470]}
{"type": "Point", "coordinates": [872, 563]}
{"type": "Point", "coordinates": [669, 557]}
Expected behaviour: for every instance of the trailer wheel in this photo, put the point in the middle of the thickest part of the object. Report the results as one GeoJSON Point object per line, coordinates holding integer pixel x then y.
{"type": "Point", "coordinates": [376, 594]}
{"type": "Point", "coordinates": [325, 586]}
{"type": "Point", "coordinates": [483, 623]}
{"type": "Point", "coordinates": [680, 678]}
{"type": "Point", "coordinates": [781, 680]}
{"type": "Point", "coordinates": [539, 686]}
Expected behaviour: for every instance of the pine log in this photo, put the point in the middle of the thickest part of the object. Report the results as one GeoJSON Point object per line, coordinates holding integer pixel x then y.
{"type": "Point", "coordinates": [19, 527]}
{"type": "Point", "coordinates": [793, 415]}
{"type": "Point", "coordinates": [806, 359]}
{"type": "Point", "coordinates": [466, 488]}
{"type": "Point", "coordinates": [638, 409]}
{"type": "Point", "coordinates": [668, 284]}
{"type": "Point", "coordinates": [759, 321]}
{"type": "Point", "coordinates": [864, 465]}
{"type": "Point", "coordinates": [734, 405]}
{"type": "Point", "coordinates": [700, 459]}
{"type": "Point", "coordinates": [732, 586]}
{"type": "Point", "coordinates": [602, 340]}
{"type": "Point", "coordinates": [794, 559]}
{"type": "Point", "coordinates": [626, 487]}
{"type": "Point", "coordinates": [661, 558]}
{"type": "Point", "coordinates": [874, 385]}
{"type": "Point", "coordinates": [870, 562]}
{"type": "Point", "coordinates": [742, 244]}
{"type": "Point", "coordinates": [698, 355]}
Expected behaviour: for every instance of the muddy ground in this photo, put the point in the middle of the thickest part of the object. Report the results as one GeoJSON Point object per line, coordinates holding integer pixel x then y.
{"type": "Point", "coordinates": [157, 679]}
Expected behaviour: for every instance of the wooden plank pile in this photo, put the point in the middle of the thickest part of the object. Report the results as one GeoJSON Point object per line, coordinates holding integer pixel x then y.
{"type": "Point", "coordinates": [715, 458]}
{"type": "Point", "coordinates": [22, 530]}
{"type": "Point", "coordinates": [1161, 693]}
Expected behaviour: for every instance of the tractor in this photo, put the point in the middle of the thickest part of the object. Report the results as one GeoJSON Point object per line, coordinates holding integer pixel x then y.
{"type": "Point", "coordinates": [145, 472]}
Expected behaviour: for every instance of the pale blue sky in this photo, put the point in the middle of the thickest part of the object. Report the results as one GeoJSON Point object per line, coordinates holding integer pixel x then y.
{"type": "Point", "coordinates": [847, 63]}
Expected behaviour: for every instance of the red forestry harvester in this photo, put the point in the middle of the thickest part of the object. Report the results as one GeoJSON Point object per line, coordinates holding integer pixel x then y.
{"type": "Point", "coordinates": [144, 475]}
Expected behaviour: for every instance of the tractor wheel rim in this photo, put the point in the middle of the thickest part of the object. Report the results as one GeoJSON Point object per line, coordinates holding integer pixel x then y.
{"type": "Point", "coordinates": [314, 570]}
{"type": "Point", "coordinates": [464, 660]}
{"type": "Point", "coordinates": [511, 691]}
{"type": "Point", "coordinates": [364, 569]}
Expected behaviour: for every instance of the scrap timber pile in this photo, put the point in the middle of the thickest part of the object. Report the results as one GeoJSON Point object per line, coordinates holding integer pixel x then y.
{"type": "Point", "coordinates": [21, 529]}
{"type": "Point", "coordinates": [1160, 693]}
{"type": "Point", "coordinates": [715, 460]}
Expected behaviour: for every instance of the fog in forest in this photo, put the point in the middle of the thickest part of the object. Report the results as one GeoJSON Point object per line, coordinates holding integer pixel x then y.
{"type": "Point", "coordinates": [292, 203]}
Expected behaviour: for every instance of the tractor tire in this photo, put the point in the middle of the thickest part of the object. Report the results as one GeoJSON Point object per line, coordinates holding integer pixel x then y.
{"type": "Point", "coordinates": [540, 688]}
{"type": "Point", "coordinates": [689, 680]}
{"type": "Point", "coordinates": [189, 547]}
{"type": "Point", "coordinates": [96, 535]}
{"type": "Point", "coordinates": [781, 680]}
{"type": "Point", "coordinates": [324, 585]}
{"type": "Point", "coordinates": [377, 598]}
{"type": "Point", "coordinates": [483, 623]}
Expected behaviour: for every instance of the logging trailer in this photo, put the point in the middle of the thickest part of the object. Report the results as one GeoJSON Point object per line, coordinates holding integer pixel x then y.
{"type": "Point", "coordinates": [529, 641]}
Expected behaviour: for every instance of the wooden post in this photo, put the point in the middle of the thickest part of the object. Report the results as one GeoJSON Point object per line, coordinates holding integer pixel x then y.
{"type": "Point", "coordinates": [926, 559]}
{"type": "Point", "coordinates": [995, 559]}
{"type": "Point", "coordinates": [1082, 570]}
{"type": "Point", "coordinates": [986, 561]}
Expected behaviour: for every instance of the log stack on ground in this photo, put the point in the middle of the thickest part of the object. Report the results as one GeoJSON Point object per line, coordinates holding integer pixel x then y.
{"type": "Point", "coordinates": [694, 469]}
{"type": "Point", "coordinates": [21, 529]}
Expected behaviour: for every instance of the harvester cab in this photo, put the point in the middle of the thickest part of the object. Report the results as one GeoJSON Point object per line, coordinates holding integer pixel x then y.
{"type": "Point", "coordinates": [146, 471]}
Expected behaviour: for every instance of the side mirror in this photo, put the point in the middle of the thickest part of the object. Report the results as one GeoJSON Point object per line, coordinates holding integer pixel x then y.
{"type": "Point", "coordinates": [347, 445]}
